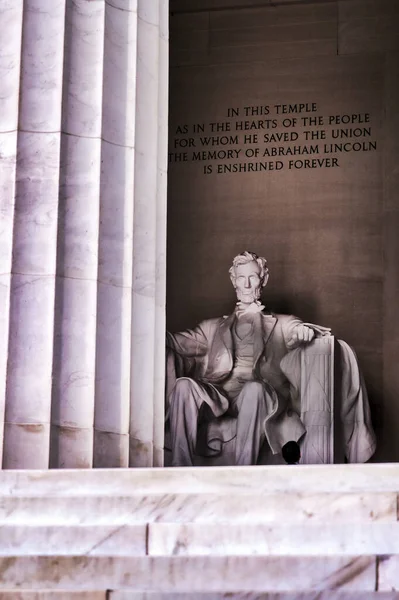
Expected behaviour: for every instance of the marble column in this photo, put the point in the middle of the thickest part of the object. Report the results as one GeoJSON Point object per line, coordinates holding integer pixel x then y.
{"type": "Point", "coordinates": [10, 65]}
{"type": "Point", "coordinates": [31, 326]}
{"type": "Point", "coordinates": [145, 237]}
{"type": "Point", "coordinates": [114, 316]}
{"type": "Point", "coordinates": [160, 272]}
{"type": "Point", "coordinates": [78, 228]}
{"type": "Point", "coordinates": [84, 128]}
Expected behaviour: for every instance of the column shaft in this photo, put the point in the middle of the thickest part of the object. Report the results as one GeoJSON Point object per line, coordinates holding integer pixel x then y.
{"type": "Point", "coordinates": [10, 65]}
{"type": "Point", "coordinates": [28, 394]}
{"type": "Point", "coordinates": [77, 246]}
{"type": "Point", "coordinates": [144, 237]}
{"type": "Point", "coordinates": [160, 284]}
{"type": "Point", "coordinates": [113, 350]}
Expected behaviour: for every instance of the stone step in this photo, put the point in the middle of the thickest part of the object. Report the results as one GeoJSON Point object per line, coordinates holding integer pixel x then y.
{"type": "Point", "coordinates": [129, 595]}
{"type": "Point", "coordinates": [259, 480]}
{"type": "Point", "coordinates": [192, 574]}
{"type": "Point", "coordinates": [326, 595]}
{"type": "Point", "coordinates": [212, 539]}
{"type": "Point", "coordinates": [169, 531]}
{"type": "Point", "coordinates": [256, 507]}
{"type": "Point", "coordinates": [231, 539]}
{"type": "Point", "coordinates": [57, 595]}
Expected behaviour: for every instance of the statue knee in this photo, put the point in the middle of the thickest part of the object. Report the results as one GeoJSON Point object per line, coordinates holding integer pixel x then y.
{"type": "Point", "coordinates": [184, 399]}
{"type": "Point", "coordinates": [184, 385]}
{"type": "Point", "coordinates": [253, 390]}
{"type": "Point", "coordinates": [182, 393]}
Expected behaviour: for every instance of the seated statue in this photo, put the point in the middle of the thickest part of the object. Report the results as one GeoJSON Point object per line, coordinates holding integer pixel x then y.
{"type": "Point", "coordinates": [225, 380]}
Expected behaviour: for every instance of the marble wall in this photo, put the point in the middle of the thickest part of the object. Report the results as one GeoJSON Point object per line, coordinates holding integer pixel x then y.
{"type": "Point", "coordinates": [328, 229]}
{"type": "Point", "coordinates": [83, 122]}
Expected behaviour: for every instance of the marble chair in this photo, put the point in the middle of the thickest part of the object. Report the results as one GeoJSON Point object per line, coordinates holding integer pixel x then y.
{"type": "Point", "coordinates": [313, 371]}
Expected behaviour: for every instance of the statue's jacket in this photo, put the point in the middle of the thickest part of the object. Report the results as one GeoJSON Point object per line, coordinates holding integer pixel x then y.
{"type": "Point", "coordinates": [206, 354]}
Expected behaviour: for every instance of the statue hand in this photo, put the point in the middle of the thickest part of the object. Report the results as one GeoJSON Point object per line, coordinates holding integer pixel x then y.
{"type": "Point", "coordinates": [303, 334]}
{"type": "Point", "coordinates": [319, 329]}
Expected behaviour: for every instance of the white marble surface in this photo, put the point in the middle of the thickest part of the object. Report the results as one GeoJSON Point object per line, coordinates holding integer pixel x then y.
{"type": "Point", "coordinates": [111, 450]}
{"type": "Point", "coordinates": [78, 215]}
{"type": "Point", "coordinates": [29, 371]}
{"type": "Point", "coordinates": [88, 540]}
{"type": "Point", "coordinates": [388, 573]}
{"type": "Point", "coordinates": [113, 373]}
{"type": "Point", "coordinates": [83, 68]}
{"type": "Point", "coordinates": [77, 242]}
{"type": "Point", "coordinates": [230, 481]}
{"type": "Point", "coordinates": [145, 237]}
{"type": "Point", "coordinates": [71, 447]}
{"type": "Point", "coordinates": [129, 595]}
{"type": "Point", "coordinates": [116, 211]}
{"type": "Point", "coordinates": [72, 67]}
{"type": "Point", "coordinates": [72, 229]}
{"type": "Point", "coordinates": [189, 574]}
{"type": "Point", "coordinates": [119, 87]}
{"type": "Point", "coordinates": [30, 349]}
{"type": "Point", "coordinates": [10, 62]}
{"type": "Point", "coordinates": [36, 205]}
{"type": "Point", "coordinates": [26, 445]}
{"type": "Point", "coordinates": [114, 307]}
{"type": "Point", "coordinates": [315, 595]}
{"type": "Point", "coordinates": [5, 284]}
{"type": "Point", "coordinates": [28, 398]}
{"type": "Point", "coordinates": [142, 374]}
{"type": "Point", "coordinates": [74, 352]}
{"type": "Point", "coordinates": [113, 358]}
{"type": "Point", "coordinates": [8, 153]}
{"type": "Point", "coordinates": [317, 397]}
{"type": "Point", "coordinates": [42, 65]}
{"type": "Point", "coordinates": [160, 267]}
{"type": "Point", "coordinates": [74, 530]}
{"type": "Point", "coordinates": [201, 509]}
{"type": "Point", "coordinates": [124, 5]}
{"type": "Point", "coordinates": [274, 539]}
{"type": "Point", "coordinates": [54, 595]}
{"type": "Point", "coordinates": [76, 303]}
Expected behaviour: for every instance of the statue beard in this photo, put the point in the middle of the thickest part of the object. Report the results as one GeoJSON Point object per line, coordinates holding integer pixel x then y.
{"type": "Point", "coordinates": [249, 297]}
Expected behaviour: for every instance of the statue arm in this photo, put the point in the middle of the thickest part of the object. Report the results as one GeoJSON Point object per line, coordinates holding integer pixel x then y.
{"type": "Point", "coordinates": [189, 343]}
{"type": "Point", "coordinates": [182, 351]}
{"type": "Point", "coordinates": [297, 333]}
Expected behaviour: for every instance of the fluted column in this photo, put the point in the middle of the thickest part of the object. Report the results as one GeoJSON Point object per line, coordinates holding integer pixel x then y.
{"type": "Point", "coordinates": [77, 248]}
{"type": "Point", "coordinates": [147, 206]}
{"type": "Point", "coordinates": [160, 272]}
{"type": "Point", "coordinates": [10, 64]}
{"type": "Point", "coordinates": [28, 393]}
{"type": "Point", "coordinates": [114, 318]}
{"type": "Point", "coordinates": [83, 128]}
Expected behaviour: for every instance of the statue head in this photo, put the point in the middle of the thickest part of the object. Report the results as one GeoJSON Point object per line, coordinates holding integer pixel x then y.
{"type": "Point", "coordinates": [248, 274]}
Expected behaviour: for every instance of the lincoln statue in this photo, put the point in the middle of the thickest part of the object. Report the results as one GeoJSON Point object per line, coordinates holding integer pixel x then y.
{"type": "Point", "coordinates": [226, 382]}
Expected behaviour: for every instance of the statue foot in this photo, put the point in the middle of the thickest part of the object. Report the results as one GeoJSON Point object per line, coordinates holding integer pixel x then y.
{"type": "Point", "coordinates": [291, 453]}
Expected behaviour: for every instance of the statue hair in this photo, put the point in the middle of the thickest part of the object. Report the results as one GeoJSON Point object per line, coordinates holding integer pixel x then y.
{"type": "Point", "coordinates": [246, 257]}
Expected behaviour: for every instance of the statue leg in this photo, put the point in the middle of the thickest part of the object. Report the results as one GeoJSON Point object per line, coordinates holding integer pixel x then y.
{"type": "Point", "coordinates": [253, 404]}
{"type": "Point", "coordinates": [185, 402]}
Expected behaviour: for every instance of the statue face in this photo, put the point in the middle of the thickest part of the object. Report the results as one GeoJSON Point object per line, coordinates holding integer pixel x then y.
{"type": "Point", "coordinates": [247, 282]}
